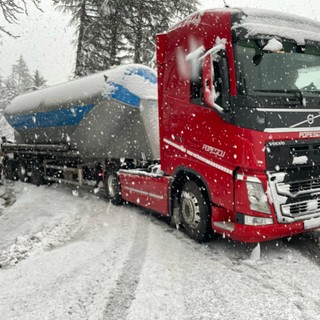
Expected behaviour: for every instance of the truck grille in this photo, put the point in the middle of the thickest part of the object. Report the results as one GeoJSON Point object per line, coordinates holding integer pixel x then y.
{"type": "Point", "coordinates": [295, 198]}
{"type": "Point", "coordinates": [303, 208]}
{"type": "Point", "coordinates": [294, 179]}
{"type": "Point", "coordinates": [297, 188]}
{"type": "Point", "coordinates": [287, 155]}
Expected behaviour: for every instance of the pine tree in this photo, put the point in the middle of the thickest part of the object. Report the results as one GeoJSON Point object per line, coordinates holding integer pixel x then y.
{"type": "Point", "coordinates": [99, 26]}
{"type": "Point", "coordinates": [38, 81]}
{"type": "Point", "coordinates": [3, 97]}
{"type": "Point", "coordinates": [149, 18]}
{"type": "Point", "coordinates": [20, 80]}
{"type": "Point", "coordinates": [80, 19]}
{"type": "Point", "coordinates": [111, 32]}
{"type": "Point", "coordinates": [21, 76]}
{"type": "Point", "coordinates": [105, 42]}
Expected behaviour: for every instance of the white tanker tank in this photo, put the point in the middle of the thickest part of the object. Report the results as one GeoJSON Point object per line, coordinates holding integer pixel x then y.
{"type": "Point", "coordinates": [111, 114]}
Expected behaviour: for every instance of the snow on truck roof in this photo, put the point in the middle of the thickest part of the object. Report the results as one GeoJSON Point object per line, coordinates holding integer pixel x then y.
{"type": "Point", "coordinates": [259, 22]}
{"type": "Point", "coordinates": [266, 22]}
{"type": "Point", "coordinates": [127, 84]}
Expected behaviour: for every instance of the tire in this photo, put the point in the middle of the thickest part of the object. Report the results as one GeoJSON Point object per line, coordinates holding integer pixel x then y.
{"type": "Point", "coordinates": [22, 172]}
{"type": "Point", "coordinates": [37, 175]}
{"type": "Point", "coordinates": [195, 212]}
{"type": "Point", "coordinates": [10, 169]}
{"type": "Point", "coordinates": [113, 189]}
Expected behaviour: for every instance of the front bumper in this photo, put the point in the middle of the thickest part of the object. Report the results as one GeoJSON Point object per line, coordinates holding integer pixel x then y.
{"type": "Point", "coordinates": [254, 234]}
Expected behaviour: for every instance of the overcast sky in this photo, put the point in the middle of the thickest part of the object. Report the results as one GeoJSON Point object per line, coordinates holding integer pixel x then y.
{"type": "Point", "coordinates": [46, 39]}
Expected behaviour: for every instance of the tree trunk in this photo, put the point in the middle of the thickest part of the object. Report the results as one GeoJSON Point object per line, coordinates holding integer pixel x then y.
{"type": "Point", "coordinates": [78, 70]}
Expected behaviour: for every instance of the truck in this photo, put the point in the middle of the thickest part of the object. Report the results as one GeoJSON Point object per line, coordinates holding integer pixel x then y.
{"type": "Point", "coordinates": [224, 139]}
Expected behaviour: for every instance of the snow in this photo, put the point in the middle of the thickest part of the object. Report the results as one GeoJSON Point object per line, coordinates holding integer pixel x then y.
{"type": "Point", "coordinates": [313, 223]}
{"type": "Point", "coordinates": [300, 160]}
{"type": "Point", "coordinates": [66, 257]}
{"type": "Point", "coordinates": [193, 19]}
{"type": "Point", "coordinates": [267, 22]}
{"type": "Point", "coordinates": [256, 253]}
{"type": "Point", "coordinates": [156, 172]}
{"type": "Point", "coordinates": [195, 54]}
{"type": "Point", "coordinates": [90, 87]}
{"type": "Point", "coordinates": [273, 45]}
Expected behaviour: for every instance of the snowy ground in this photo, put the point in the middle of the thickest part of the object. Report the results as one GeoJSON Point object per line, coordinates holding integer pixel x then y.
{"type": "Point", "coordinates": [67, 257]}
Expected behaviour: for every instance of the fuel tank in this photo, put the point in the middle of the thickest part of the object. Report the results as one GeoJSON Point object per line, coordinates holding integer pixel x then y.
{"type": "Point", "coordinates": [110, 114]}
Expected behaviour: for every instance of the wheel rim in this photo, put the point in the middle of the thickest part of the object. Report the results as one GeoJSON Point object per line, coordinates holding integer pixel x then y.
{"type": "Point", "coordinates": [22, 173]}
{"type": "Point", "coordinates": [112, 182]}
{"type": "Point", "coordinates": [190, 209]}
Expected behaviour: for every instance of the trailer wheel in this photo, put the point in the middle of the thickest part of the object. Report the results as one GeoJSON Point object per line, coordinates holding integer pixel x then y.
{"type": "Point", "coordinates": [22, 172]}
{"type": "Point", "coordinates": [36, 175]}
{"type": "Point", "coordinates": [113, 190]}
{"type": "Point", "coordinates": [195, 212]}
{"type": "Point", "coordinates": [10, 169]}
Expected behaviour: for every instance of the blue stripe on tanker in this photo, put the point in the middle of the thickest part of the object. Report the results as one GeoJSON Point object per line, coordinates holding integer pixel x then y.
{"type": "Point", "coordinates": [71, 116]}
{"type": "Point", "coordinates": [54, 118]}
{"type": "Point", "coordinates": [122, 94]}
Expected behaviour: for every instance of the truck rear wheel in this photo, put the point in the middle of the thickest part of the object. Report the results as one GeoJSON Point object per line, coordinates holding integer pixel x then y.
{"type": "Point", "coordinates": [113, 189]}
{"type": "Point", "coordinates": [195, 212]}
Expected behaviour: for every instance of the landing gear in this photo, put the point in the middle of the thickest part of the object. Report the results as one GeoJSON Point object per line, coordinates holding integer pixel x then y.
{"type": "Point", "coordinates": [195, 212]}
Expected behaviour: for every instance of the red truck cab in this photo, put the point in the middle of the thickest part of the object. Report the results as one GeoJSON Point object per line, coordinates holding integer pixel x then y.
{"type": "Point", "coordinates": [239, 122]}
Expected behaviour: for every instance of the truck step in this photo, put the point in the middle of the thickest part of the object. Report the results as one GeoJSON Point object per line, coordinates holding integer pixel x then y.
{"type": "Point", "coordinates": [226, 225]}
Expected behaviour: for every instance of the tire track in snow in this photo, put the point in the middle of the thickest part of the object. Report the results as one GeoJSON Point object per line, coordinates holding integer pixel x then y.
{"type": "Point", "coordinates": [121, 298]}
{"type": "Point", "coordinates": [308, 245]}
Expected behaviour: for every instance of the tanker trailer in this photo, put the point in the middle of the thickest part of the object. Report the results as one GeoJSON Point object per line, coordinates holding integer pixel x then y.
{"type": "Point", "coordinates": [65, 132]}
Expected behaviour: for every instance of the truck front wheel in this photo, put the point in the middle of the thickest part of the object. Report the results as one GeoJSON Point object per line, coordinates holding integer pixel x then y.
{"type": "Point", "coordinates": [113, 189]}
{"type": "Point", "coordinates": [195, 212]}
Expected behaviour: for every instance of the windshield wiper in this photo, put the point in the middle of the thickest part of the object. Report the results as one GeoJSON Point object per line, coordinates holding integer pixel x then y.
{"type": "Point", "coordinates": [279, 90]}
{"type": "Point", "coordinates": [293, 91]}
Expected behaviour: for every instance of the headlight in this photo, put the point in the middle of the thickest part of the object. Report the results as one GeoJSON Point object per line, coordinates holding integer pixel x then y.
{"type": "Point", "coordinates": [257, 197]}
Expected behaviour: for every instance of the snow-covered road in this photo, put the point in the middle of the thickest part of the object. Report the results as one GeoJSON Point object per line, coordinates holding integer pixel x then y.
{"type": "Point", "coordinates": [67, 257]}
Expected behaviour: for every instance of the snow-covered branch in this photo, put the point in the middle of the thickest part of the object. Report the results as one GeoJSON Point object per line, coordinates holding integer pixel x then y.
{"type": "Point", "coordinates": [12, 9]}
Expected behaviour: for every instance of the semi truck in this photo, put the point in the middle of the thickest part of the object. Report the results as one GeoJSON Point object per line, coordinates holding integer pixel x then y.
{"type": "Point", "coordinates": [223, 139]}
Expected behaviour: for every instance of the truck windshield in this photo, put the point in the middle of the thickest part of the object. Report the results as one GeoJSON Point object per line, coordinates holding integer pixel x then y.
{"type": "Point", "coordinates": [293, 69]}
